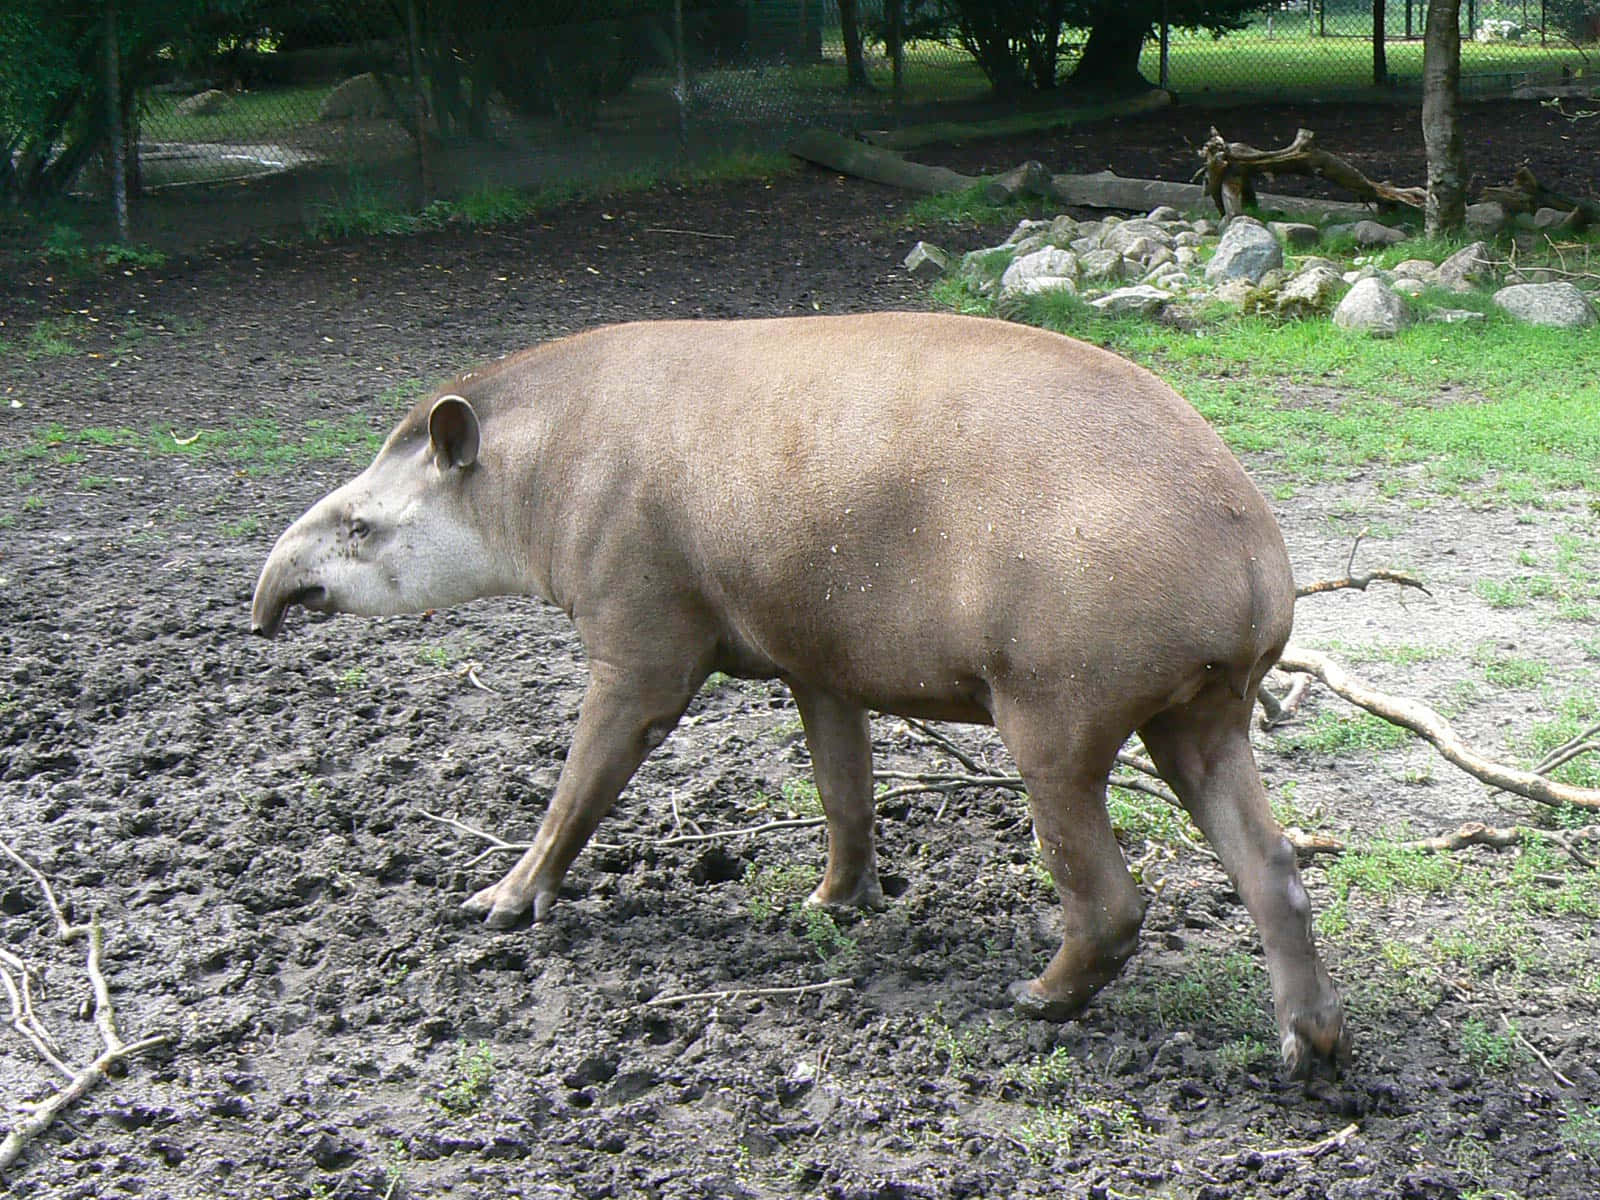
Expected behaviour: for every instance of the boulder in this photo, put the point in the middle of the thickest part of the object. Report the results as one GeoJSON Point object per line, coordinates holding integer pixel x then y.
{"type": "Point", "coordinates": [1556, 304]}
{"type": "Point", "coordinates": [1247, 251]}
{"type": "Point", "coordinates": [1125, 237]}
{"type": "Point", "coordinates": [1487, 217]}
{"type": "Point", "coordinates": [1027, 228]}
{"type": "Point", "coordinates": [1141, 299]}
{"type": "Point", "coordinates": [360, 96]}
{"type": "Point", "coordinates": [1419, 269]}
{"type": "Point", "coordinates": [1049, 262]}
{"type": "Point", "coordinates": [1101, 264]}
{"type": "Point", "coordinates": [1164, 213]}
{"type": "Point", "coordinates": [1467, 266]}
{"type": "Point", "coordinates": [1405, 285]}
{"type": "Point", "coordinates": [1368, 233]}
{"type": "Point", "coordinates": [1310, 292]}
{"type": "Point", "coordinates": [1296, 235]}
{"type": "Point", "coordinates": [927, 261]}
{"type": "Point", "coordinates": [202, 104]}
{"type": "Point", "coordinates": [1370, 307]}
{"type": "Point", "coordinates": [1029, 179]}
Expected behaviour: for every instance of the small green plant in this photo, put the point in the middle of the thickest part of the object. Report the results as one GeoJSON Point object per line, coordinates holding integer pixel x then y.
{"type": "Point", "coordinates": [53, 337]}
{"type": "Point", "coordinates": [824, 934]}
{"type": "Point", "coordinates": [1382, 871]}
{"type": "Point", "coordinates": [771, 890]}
{"type": "Point", "coordinates": [1055, 1130]}
{"type": "Point", "coordinates": [352, 679]}
{"type": "Point", "coordinates": [1580, 1130]}
{"type": "Point", "coordinates": [1510, 671]}
{"type": "Point", "coordinates": [1243, 1053]}
{"type": "Point", "coordinates": [434, 656]}
{"type": "Point", "coordinates": [959, 1046]}
{"type": "Point", "coordinates": [244, 527]}
{"type": "Point", "coordinates": [800, 798]}
{"type": "Point", "coordinates": [95, 482]}
{"type": "Point", "coordinates": [1489, 1051]}
{"type": "Point", "coordinates": [470, 1084]}
{"type": "Point", "coordinates": [1337, 733]}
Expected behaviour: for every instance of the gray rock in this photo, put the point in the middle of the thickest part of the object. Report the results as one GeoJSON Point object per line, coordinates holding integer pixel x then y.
{"type": "Point", "coordinates": [1164, 213]}
{"type": "Point", "coordinates": [1488, 217]}
{"type": "Point", "coordinates": [1550, 218]}
{"type": "Point", "coordinates": [1360, 273]}
{"type": "Point", "coordinates": [927, 261]}
{"type": "Point", "coordinates": [1368, 233]}
{"type": "Point", "coordinates": [1167, 275]}
{"type": "Point", "coordinates": [1084, 243]}
{"type": "Point", "coordinates": [1063, 229]}
{"type": "Point", "coordinates": [1407, 286]}
{"type": "Point", "coordinates": [1029, 179]}
{"type": "Point", "coordinates": [1467, 266]}
{"type": "Point", "coordinates": [1247, 251]}
{"type": "Point", "coordinates": [1129, 234]}
{"type": "Point", "coordinates": [1186, 256]}
{"type": "Point", "coordinates": [1204, 226]}
{"type": "Point", "coordinates": [1235, 291]}
{"type": "Point", "coordinates": [1160, 257]}
{"type": "Point", "coordinates": [1186, 237]}
{"type": "Point", "coordinates": [1048, 262]}
{"type": "Point", "coordinates": [1454, 316]}
{"type": "Point", "coordinates": [360, 96]}
{"type": "Point", "coordinates": [1142, 299]}
{"type": "Point", "coordinates": [1312, 262]}
{"type": "Point", "coordinates": [1419, 269]}
{"type": "Point", "coordinates": [1296, 235]}
{"type": "Point", "coordinates": [1027, 228]}
{"type": "Point", "coordinates": [1038, 284]}
{"type": "Point", "coordinates": [203, 104]}
{"type": "Point", "coordinates": [1034, 241]}
{"type": "Point", "coordinates": [1309, 292]}
{"type": "Point", "coordinates": [1273, 280]}
{"type": "Point", "coordinates": [1100, 264]}
{"type": "Point", "coordinates": [1556, 304]}
{"type": "Point", "coordinates": [1370, 307]}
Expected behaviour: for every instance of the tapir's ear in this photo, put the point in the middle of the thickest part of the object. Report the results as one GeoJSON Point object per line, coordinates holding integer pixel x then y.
{"type": "Point", "coordinates": [453, 432]}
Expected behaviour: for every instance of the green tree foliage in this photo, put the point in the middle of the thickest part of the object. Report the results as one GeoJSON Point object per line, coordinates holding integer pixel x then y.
{"type": "Point", "coordinates": [1021, 44]}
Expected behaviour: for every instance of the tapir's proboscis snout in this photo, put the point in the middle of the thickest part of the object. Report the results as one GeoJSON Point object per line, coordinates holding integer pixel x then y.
{"type": "Point", "coordinates": [932, 516]}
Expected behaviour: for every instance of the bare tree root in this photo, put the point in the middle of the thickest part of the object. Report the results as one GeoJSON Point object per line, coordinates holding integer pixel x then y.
{"type": "Point", "coordinates": [746, 993]}
{"type": "Point", "coordinates": [1424, 721]}
{"type": "Point", "coordinates": [18, 980]}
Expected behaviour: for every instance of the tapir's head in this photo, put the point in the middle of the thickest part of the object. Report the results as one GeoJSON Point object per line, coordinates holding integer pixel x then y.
{"type": "Point", "coordinates": [403, 536]}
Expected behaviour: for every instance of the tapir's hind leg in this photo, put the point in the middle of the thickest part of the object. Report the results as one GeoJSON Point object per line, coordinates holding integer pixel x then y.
{"type": "Point", "coordinates": [1203, 750]}
{"type": "Point", "coordinates": [625, 714]}
{"type": "Point", "coordinates": [1065, 771]}
{"type": "Point", "coordinates": [841, 761]}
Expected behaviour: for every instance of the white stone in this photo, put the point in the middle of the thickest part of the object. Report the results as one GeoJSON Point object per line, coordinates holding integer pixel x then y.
{"type": "Point", "coordinates": [1048, 261]}
{"type": "Point", "coordinates": [927, 261]}
{"type": "Point", "coordinates": [1370, 307]}
{"type": "Point", "coordinates": [1142, 299]}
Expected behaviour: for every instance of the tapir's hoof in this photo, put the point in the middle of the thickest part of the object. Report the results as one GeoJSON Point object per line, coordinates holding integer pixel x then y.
{"type": "Point", "coordinates": [868, 896]}
{"type": "Point", "coordinates": [1313, 1039]}
{"type": "Point", "coordinates": [1030, 1000]}
{"type": "Point", "coordinates": [501, 910]}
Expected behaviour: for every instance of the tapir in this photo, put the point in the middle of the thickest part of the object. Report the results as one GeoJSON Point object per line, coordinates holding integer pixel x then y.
{"type": "Point", "coordinates": [935, 516]}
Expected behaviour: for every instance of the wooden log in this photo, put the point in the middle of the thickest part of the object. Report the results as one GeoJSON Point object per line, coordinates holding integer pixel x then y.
{"type": "Point", "coordinates": [1105, 190]}
{"type": "Point", "coordinates": [1231, 168]}
{"type": "Point", "coordinates": [849, 157]}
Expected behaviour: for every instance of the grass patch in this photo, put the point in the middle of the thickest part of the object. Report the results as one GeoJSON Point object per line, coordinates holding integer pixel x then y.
{"type": "Point", "coordinates": [968, 209]}
{"type": "Point", "coordinates": [1226, 992]}
{"type": "Point", "coordinates": [1382, 871]}
{"type": "Point", "coordinates": [1573, 715]}
{"type": "Point", "coordinates": [1333, 733]}
{"type": "Point", "coordinates": [773, 890]}
{"type": "Point", "coordinates": [256, 446]}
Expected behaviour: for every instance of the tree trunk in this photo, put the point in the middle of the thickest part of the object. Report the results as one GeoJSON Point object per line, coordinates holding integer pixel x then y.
{"type": "Point", "coordinates": [855, 62]}
{"type": "Point", "coordinates": [1441, 118]}
{"type": "Point", "coordinates": [1110, 62]}
{"type": "Point", "coordinates": [1380, 61]}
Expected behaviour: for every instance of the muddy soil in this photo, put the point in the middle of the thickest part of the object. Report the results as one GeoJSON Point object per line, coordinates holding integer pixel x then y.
{"type": "Point", "coordinates": [248, 819]}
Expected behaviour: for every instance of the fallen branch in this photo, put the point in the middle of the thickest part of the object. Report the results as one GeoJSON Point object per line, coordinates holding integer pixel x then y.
{"type": "Point", "coordinates": [746, 993]}
{"type": "Point", "coordinates": [17, 976]}
{"type": "Point", "coordinates": [1424, 721]}
{"type": "Point", "coordinates": [1315, 1149]}
{"type": "Point", "coordinates": [1359, 583]}
{"type": "Point", "coordinates": [1275, 712]}
{"type": "Point", "coordinates": [1473, 833]}
{"type": "Point", "coordinates": [1230, 168]}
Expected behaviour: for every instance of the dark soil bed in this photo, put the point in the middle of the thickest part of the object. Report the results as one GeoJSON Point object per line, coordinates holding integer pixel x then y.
{"type": "Point", "coordinates": [247, 817]}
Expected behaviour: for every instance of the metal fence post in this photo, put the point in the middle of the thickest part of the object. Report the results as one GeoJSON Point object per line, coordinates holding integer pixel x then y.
{"type": "Point", "coordinates": [680, 90]}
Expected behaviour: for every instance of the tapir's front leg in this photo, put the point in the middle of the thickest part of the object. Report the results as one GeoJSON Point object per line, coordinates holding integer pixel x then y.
{"type": "Point", "coordinates": [625, 714]}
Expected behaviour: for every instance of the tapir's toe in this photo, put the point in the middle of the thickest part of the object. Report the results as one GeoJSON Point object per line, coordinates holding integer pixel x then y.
{"type": "Point", "coordinates": [1030, 1000]}
{"type": "Point", "coordinates": [1314, 1038]}
{"type": "Point", "coordinates": [867, 895]}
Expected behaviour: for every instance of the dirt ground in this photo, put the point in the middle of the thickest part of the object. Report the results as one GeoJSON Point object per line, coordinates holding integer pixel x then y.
{"type": "Point", "coordinates": [247, 817]}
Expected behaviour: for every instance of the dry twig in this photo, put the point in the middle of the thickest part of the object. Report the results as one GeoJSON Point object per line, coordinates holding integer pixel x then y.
{"type": "Point", "coordinates": [115, 1051]}
{"type": "Point", "coordinates": [1315, 1149]}
{"type": "Point", "coordinates": [1359, 582]}
{"type": "Point", "coordinates": [1516, 1035]}
{"type": "Point", "coordinates": [746, 993]}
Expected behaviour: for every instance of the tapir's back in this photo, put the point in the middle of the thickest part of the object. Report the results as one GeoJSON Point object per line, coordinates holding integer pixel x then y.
{"type": "Point", "coordinates": [841, 485]}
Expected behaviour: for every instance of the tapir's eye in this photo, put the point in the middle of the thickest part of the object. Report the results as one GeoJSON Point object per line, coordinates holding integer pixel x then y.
{"type": "Point", "coordinates": [359, 528]}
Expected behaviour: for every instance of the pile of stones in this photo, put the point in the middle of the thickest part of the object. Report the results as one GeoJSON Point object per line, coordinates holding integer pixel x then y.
{"type": "Point", "coordinates": [1164, 261]}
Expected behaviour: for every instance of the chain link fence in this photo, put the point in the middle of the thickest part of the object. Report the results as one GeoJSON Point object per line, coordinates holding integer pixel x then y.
{"type": "Point", "coordinates": [387, 99]}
